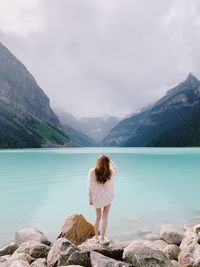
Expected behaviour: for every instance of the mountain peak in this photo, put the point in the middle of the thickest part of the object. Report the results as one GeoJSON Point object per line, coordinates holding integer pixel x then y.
{"type": "Point", "coordinates": [191, 78]}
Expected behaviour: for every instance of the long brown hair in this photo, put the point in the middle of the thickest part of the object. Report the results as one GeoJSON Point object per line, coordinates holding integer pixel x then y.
{"type": "Point", "coordinates": [102, 170]}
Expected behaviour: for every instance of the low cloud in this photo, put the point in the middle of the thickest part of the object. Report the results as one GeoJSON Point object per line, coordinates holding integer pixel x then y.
{"type": "Point", "coordinates": [104, 57]}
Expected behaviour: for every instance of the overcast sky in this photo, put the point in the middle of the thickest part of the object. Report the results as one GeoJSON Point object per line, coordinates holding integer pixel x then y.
{"type": "Point", "coordinates": [96, 57]}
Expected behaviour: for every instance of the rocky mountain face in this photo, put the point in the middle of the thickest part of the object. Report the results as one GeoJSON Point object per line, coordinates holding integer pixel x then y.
{"type": "Point", "coordinates": [26, 118]}
{"type": "Point", "coordinates": [174, 120]}
{"type": "Point", "coordinates": [19, 89]}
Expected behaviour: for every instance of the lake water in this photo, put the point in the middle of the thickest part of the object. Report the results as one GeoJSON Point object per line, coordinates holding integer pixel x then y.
{"type": "Point", "coordinates": [154, 186]}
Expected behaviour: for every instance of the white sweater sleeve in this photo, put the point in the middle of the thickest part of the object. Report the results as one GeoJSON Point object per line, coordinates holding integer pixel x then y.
{"type": "Point", "coordinates": [89, 186]}
{"type": "Point", "coordinates": [113, 166]}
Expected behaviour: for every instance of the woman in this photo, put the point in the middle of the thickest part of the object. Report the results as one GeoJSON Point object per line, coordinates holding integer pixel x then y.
{"type": "Point", "coordinates": [101, 193]}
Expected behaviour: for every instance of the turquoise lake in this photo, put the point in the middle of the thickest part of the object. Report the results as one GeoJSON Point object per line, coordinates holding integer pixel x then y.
{"type": "Point", "coordinates": [153, 186]}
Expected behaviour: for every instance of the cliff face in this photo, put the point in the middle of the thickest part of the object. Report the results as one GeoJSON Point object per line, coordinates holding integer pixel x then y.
{"type": "Point", "coordinates": [19, 89]}
{"type": "Point", "coordinates": [174, 120]}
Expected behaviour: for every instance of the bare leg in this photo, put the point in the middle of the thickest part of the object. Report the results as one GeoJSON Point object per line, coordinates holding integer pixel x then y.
{"type": "Point", "coordinates": [97, 221]}
{"type": "Point", "coordinates": [105, 220]}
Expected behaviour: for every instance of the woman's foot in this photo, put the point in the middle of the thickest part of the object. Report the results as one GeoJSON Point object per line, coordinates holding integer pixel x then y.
{"type": "Point", "coordinates": [96, 240]}
{"type": "Point", "coordinates": [104, 241]}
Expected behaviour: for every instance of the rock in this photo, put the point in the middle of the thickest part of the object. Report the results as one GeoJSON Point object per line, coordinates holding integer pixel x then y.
{"type": "Point", "coordinates": [34, 248]}
{"type": "Point", "coordinates": [190, 254]}
{"type": "Point", "coordinates": [172, 251]}
{"type": "Point", "coordinates": [40, 262]}
{"type": "Point", "coordinates": [152, 236]}
{"type": "Point", "coordinates": [141, 255]}
{"type": "Point", "coordinates": [8, 249]}
{"type": "Point", "coordinates": [4, 261]}
{"type": "Point", "coordinates": [176, 263]}
{"type": "Point", "coordinates": [112, 250]}
{"type": "Point", "coordinates": [19, 263]}
{"type": "Point", "coordinates": [124, 244]}
{"type": "Point", "coordinates": [189, 238]}
{"type": "Point", "coordinates": [158, 244]}
{"type": "Point", "coordinates": [171, 235]}
{"type": "Point", "coordinates": [28, 234]}
{"type": "Point", "coordinates": [76, 229]}
{"type": "Point", "coordinates": [23, 256]}
{"type": "Point", "coordinates": [60, 252]}
{"type": "Point", "coordinates": [99, 260]}
{"type": "Point", "coordinates": [188, 227]}
{"type": "Point", "coordinates": [197, 228]}
{"type": "Point", "coordinates": [79, 258]}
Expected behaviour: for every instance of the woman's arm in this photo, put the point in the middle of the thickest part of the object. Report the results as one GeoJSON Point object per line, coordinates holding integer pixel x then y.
{"type": "Point", "coordinates": [89, 187]}
{"type": "Point", "coordinates": [113, 166]}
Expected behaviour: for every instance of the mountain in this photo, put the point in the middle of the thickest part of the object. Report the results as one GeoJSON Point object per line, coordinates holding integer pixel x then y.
{"type": "Point", "coordinates": [98, 127]}
{"type": "Point", "coordinates": [78, 139]}
{"type": "Point", "coordinates": [69, 119]}
{"type": "Point", "coordinates": [174, 120]}
{"type": "Point", "coordinates": [22, 130]}
{"type": "Point", "coordinates": [26, 118]}
{"type": "Point", "coordinates": [19, 89]}
{"type": "Point", "coordinates": [94, 127]}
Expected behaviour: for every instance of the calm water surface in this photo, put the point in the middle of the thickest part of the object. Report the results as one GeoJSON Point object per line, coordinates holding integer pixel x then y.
{"type": "Point", "coordinates": [39, 187]}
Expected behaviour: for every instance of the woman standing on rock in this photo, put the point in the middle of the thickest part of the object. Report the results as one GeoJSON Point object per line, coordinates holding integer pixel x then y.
{"type": "Point", "coordinates": [101, 193]}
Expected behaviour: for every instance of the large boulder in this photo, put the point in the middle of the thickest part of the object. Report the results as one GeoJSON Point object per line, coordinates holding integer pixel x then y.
{"type": "Point", "coordinates": [99, 260]}
{"type": "Point", "coordinates": [8, 249]}
{"type": "Point", "coordinates": [79, 258]}
{"type": "Point", "coordinates": [28, 234]}
{"type": "Point", "coordinates": [40, 262]}
{"type": "Point", "coordinates": [171, 235]}
{"type": "Point", "coordinates": [141, 255]}
{"type": "Point", "coordinates": [76, 229]}
{"type": "Point", "coordinates": [34, 248]}
{"type": "Point", "coordinates": [111, 250]}
{"type": "Point", "coordinates": [60, 252]}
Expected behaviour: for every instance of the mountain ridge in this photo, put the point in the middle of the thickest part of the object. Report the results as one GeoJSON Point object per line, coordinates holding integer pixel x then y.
{"type": "Point", "coordinates": [26, 117]}
{"type": "Point", "coordinates": [164, 116]}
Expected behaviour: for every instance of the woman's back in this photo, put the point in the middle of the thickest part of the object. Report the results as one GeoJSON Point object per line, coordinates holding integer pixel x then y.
{"type": "Point", "coordinates": [102, 194]}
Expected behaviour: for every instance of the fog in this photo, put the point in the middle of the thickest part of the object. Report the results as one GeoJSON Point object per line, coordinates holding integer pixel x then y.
{"type": "Point", "coordinates": [103, 57]}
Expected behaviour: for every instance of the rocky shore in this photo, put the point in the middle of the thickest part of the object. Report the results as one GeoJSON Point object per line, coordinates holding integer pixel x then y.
{"type": "Point", "coordinates": [74, 247]}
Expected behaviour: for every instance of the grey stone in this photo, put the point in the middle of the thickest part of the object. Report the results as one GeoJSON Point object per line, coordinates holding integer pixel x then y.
{"type": "Point", "coordinates": [141, 255]}
{"type": "Point", "coordinates": [19, 263]}
{"type": "Point", "coordinates": [99, 260]}
{"type": "Point", "coordinates": [79, 258]}
{"type": "Point", "coordinates": [40, 262]}
{"type": "Point", "coordinates": [23, 256]}
{"type": "Point", "coordinates": [8, 249]}
{"type": "Point", "coordinates": [60, 252]}
{"type": "Point", "coordinates": [34, 248]}
{"type": "Point", "coordinates": [171, 235]}
{"type": "Point", "coordinates": [172, 251]}
{"type": "Point", "coordinates": [112, 250]}
{"type": "Point", "coordinates": [28, 234]}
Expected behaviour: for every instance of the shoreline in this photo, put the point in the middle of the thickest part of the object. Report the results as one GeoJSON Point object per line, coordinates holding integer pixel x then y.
{"type": "Point", "coordinates": [74, 245]}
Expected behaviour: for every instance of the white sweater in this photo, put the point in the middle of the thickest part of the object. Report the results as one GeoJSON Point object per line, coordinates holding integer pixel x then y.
{"type": "Point", "coordinates": [101, 194]}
